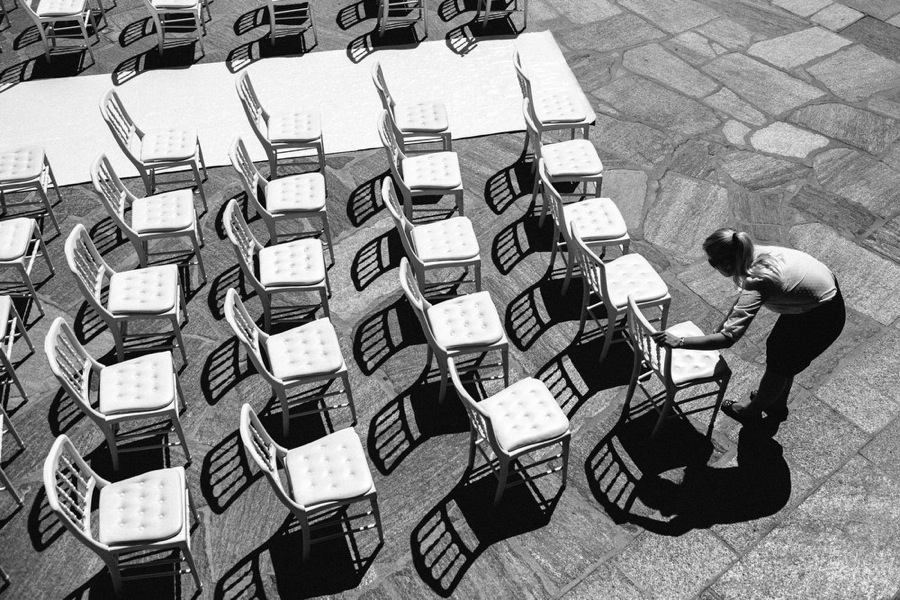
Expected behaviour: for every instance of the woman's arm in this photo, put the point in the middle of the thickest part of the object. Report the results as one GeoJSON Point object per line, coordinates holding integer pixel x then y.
{"type": "Point", "coordinates": [713, 341]}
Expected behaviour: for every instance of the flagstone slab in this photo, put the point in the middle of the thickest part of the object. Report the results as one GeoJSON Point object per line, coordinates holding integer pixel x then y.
{"type": "Point", "coordinates": [886, 240]}
{"type": "Point", "coordinates": [836, 16]}
{"type": "Point", "coordinates": [655, 62]}
{"type": "Point", "coordinates": [607, 581]}
{"type": "Point", "coordinates": [698, 159]}
{"type": "Point", "coordinates": [786, 140]}
{"type": "Point", "coordinates": [761, 18]}
{"type": "Point", "coordinates": [675, 220]}
{"type": "Point", "coordinates": [620, 31]}
{"type": "Point", "coordinates": [763, 86]}
{"type": "Point", "coordinates": [794, 49]}
{"type": "Point", "coordinates": [863, 129]}
{"type": "Point", "coordinates": [657, 106]}
{"type": "Point", "coordinates": [856, 73]}
{"type": "Point", "coordinates": [735, 132]}
{"type": "Point", "coordinates": [728, 102]}
{"type": "Point", "coordinates": [892, 157]}
{"type": "Point", "coordinates": [875, 35]}
{"type": "Point", "coordinates": [586, 12]}
{"type": "Point", "coordinates": [833, 210]}
{"type": "Point", "coordinates": [880, 9]}
{"type": "Point", "coordinates": [635, 143]}
{"type": "Point", "coordinates": [765, 215]}
{"type": "Point", "coordinates": [804, 8]}
{"type": "Point", "coordinates": [628, 189]}
{"type": "Point", "coordinates": [693, 48]}
{"type": "Point", "coordinates": [845, 534]}
{"type": "Point", "coordinates": [757, 171]}
{"type": "Point", "coordinates": [884, 450]}
{"type": "Point", "coordinates": [859, 177]}
{"type": "Point", "coordinates": [869, 283]}
{"type": "Point", "coordinates": [728, 33]}
{"type": "Point", "coordinates": [673, 16]}
{"type": "Point", "coordinates": [884, 106]}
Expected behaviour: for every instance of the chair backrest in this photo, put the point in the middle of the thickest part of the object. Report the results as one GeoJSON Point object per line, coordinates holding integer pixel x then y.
{"type": "Point", "coordinates": [113, 193]}
{"type": "Point", "coordinates": [419, 304]}
{"type": "Point", "coordinates": [265, 453]}
{"type": "Point", "coordinates": [593, 270]}
{"type": "Point", "coordinates": [257, 116]}
{"type": "Point", "coordinates": [251, 179]}
{"type": "Point", "coordinates": [127, 134]}
{"type": "Point", "coordinates": [387, 133]}
{"type": "Point", "coordinates": [251, 336]}
{"type": "Point", "coordinates": [533, 126]}
{"type": "Point", "coordinates": [404, 227]}
{"type": "Point", "coordinates": [639, 331]}
{"type": "Point", "coordinates": [71, 364]}
{"type": "Point", "coordinates": [524, 81]}
{"type": "Point", "coordinates": [69, 483]}
{"type": "Point", "coordinates": [479, 420]}
{"type": "Point", "coordinates": [552, 195]}
{"type": "Point", "coordinates": [245, 244]}
{"type": "Point", "coordinates": [89, 268]}
{"type": "Point", "coordinates": [26, 4]}
{"type": "Point", "coordinates": [387, 101]}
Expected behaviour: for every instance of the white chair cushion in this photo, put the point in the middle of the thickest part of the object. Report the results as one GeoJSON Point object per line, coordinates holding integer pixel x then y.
{"type": "Point", "coordinates": [15, 234]}
{"type": "Point", "coordinates": [299, 126]}
{"type": "Point", "coordinates": [525, 413]}
{"type": "Point", "coordinates": [597, 219]}
{"type": "Point", "coordinates": [170, 211]}
{"type": "Point", "coordinates": [311, 349]}
{"type": "Point", "coordinates": [570, 159]}
{"type": "Point", "coordinates": [302, 192]}
{"type": "Point", "coordinates": [470, 320]}
{"type": "Point", "coordinates": [176, 4]}
{"type": "Point", "coordinates": [688, 365]}
{"type": "Point", "coordinates": [5, 304]}
{"type": "Point", "coordinates": [421, 117]}
{"type": "Point", "coordinates": [59, 8]}
{"type": "Point", "coordinates": [136, 385]}
{"type": "Point", "coordinates": [437, 170]}
{"type": "Point", "coordinates": [329, 469]}
{"type": "Point", "coordinates": [152, 290]}
{"type": "Point", "coordinates": [300, 262]}
{"type": "Point", "coordinates": [168, 145]}
{"type": "Point", "coordinates": [21, 164]}
{"type": "Point", "coordinates": [631, 274]}
{"type": "Point", "coordinates": [143, 509]}
{"type": "Point", "coordinates": [450, 239]}
{"type": "Point", "coordinates": [556, 107]}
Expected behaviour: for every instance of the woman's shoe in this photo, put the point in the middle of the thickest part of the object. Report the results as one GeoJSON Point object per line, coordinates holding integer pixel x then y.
{"type": "Point", "coordinates": [728, 407]}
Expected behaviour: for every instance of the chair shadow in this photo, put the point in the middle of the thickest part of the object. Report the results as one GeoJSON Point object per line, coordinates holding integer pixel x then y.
{"type": "Point", "coordinates": [413, 417]}
{"type": "Point", "coordinates": [290, 44]}
{"type": "Point", "coordinates": [375, 258]}
{"type": "Point", "coordinates": [624, 475]}
{"type": "Point", "coordinates": [450, 9]}
{"type": "Point", "coordinates": [395, 38]}
{"type": "Point", "coordinates": [250, 20]}
{"type": "Point", "coordinates": [136, 31]}
{"type": "Point", "coordinates": [504, 187]}
{"type": "Point", "coordinates": [458, 529]}
{"type": "Point", "coordinates": [225, 473]}
{"type": "Point", "coordinates": [64, 64]}
{"type": "Point", "coordinates": [107, 236]}
{"type": "Point", "coordinates": [333, 566]}
{"type": "Point", "coordinates": [364, 202]}
{"type": "Point", "coordinates": [535, 310]}
{"type": "Point", "coordinates": [519, 239]}
{"type": "Point", "coordinates": [464, 38]}
{"type": "Point", "coordinates": [88, 324]}
{"type": "Point", "coordinates": [356, 13]}
{"type": "Point", "coordinates": [232, 277]}
{"type": "Point", "coordinates": [44, 527]}
{"type": "Point", "coordinates": [222, 371]}
{"type": "Point", "coordinates": [383, 334]}
{"type": "Point", "coordinates": [63, 413]}
{"type": "Point", "coordinates": [162, 588]}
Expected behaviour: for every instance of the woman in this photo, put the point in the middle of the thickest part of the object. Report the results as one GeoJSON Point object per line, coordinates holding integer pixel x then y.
{"type": "Point", "coordinates": [789, 282]}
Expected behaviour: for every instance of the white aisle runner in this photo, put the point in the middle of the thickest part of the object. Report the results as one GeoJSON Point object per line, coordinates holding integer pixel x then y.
{"type": "Point", "coordinates": [479, 89]}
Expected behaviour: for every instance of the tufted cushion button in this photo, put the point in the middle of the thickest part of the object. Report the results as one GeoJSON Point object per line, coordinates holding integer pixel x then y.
{"type": "Point", "coordinates": [632, 275]}
{"type": "Point", "coordinates": [121, 390]}
{"type": "Point", "coordinates": [21, 164]}
{"type": "Point", "coordinates": [558, 107]}
{"type": "Point", "coordinates": [152, 290]}
{"type": "Point", "coordinates": [450, 239]}
{"type": "Point", "coordinates": [454, 324]}
{"type": "Point", "coordinates": [689, 364]}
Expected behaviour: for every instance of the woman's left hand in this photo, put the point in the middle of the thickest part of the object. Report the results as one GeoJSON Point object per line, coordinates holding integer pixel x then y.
{"type": "Point", "coordinates": [666, 339]}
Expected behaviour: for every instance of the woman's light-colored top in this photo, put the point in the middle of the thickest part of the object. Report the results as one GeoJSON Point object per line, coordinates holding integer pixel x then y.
{"type": "Point", "coordinates": [794, 283]}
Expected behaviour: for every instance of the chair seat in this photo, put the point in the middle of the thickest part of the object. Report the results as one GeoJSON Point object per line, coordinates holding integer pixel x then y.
{"type": "Point", "coordinates": [554, 107]}
{"type": "Point", "coordinates": [525, 413]}
{"type": "Point", "coordinates": [597, 218]}
{"type": "Point", "coordinates": [450, 239]}
{"type": "Point", "coordinates": [15, 235]}
{"type": "Point", "coordinates": [169, 211]}
{"type": "Point", "coordinates": [175, 4]}
{"type": "Point", "coordinates": [21, 164]}
{"type": "Point", "coordinates": [59, 8]}
{"type": "Point", "coordinates": [141, 384]}
{"type": "Point", "coordinates": [298, 126]}
{"type": "Point", "coordinates": [153, 290]}
{"type": "Point", "coordinates": [5, 305]}
{"type": "Point", "coordinates": [470, 320]}
{"type": "Point", "coordinates": [310, 349]}
{"type": "Point", "coordinates": [689, 365]}
{"type": "Point", "coordinates": [433, 171]}
{"type": "Point", "coordinates": [304, 192]}
{"type": "Point", "coordinates": [300, 262]}
{"type": "Point", "coordinates": [143, 509]}
{"type": "Point", "coordinates": [421, 117]}
{"type": "Point", "coordinates": [632, 275]}
{"type": "Point", "coordinates": [168, 145]}
{"type": "Point", "coordinates": [570, 159]}
{"type": "Point", "coordinates": [330, 469]}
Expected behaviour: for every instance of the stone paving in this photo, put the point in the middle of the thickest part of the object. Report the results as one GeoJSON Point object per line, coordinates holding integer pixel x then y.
{"type": "Point", "coordinates": [781, 118]}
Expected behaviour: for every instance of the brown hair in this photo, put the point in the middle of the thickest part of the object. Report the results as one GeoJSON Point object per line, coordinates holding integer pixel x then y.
{"type": "Point", "coordinates": [733, 251]}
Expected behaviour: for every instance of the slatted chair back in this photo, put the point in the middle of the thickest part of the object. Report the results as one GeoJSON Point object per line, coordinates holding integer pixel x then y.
{"type": "Point", "coordinates": [89, 268]}
{"type": "Point", "coordinates": [593, 270]}
{"type": "Point", "coordinates": [387, 101]}
{"type": "Point", "coordinates": [265, 453]}
{"type": "Point", "coordinates": [478, 418]}
{"type": "Point", "coordinates": [72, 365]}
{"type": "Point", "coordinates": [252, 106]}
{"type": "Point", "coordinates": [252, 180]}
{"type": "Point", "coordinates": [69, 483]}
{"type": "Point", "coordinates": [414, 294]}
{"type": "Point", "coordinates": [112, 192]}
{"type": "Point", "coordinates": [127, 134]}
{"type": "Point", "coordinates": [404, 227]}
{"type": "Point", "coordinates": [387, 133]}
{"type": "Point", "coordinates": [554, 198]}
{"type": "Point", "coordinates": [251, 336]}
{"type": "Point", "coordinates": [654, 356]}
{"type": "Point", "coordinates": [524, 81]}
{"type": "Point", "coordinates": [245, 244]}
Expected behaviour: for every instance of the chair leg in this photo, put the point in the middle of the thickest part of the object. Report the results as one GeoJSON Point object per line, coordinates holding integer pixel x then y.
{"type": "Point", "coordinates": [199, 185]}
{"type": "Point", "coordinates": [305, 532]}
{"type": "Point", "coordinates": [113, 447]}
{"type": "Point", "coordinates": [478, 277]}
{"type": "Point", "coordinates": [585, 299]}
{"type": "Point", "coordinates": [505, 359]}
{"type": "Point", "coordinates": [4, 480]}
{"type": "Point", "coordinates": [46, 254]}
{"type": "Point", "coordinates": [177, 329]}
{"type": "Point", "coordinates": [189, 558]}
{"type": "Point", "coordinates": [664, 413]}
{"type": "Point", "coordinates": [442, 366]}
{"type": "Point", "coordinates": [112, 565]}
{"type": "Point", "coordinates": [565, 460]}
{"type": "Point", "coordinates": [12, 429]}
{"type": "Point", "coordinates": [570, 268]}
{"type": "Point", "coordinates": [179, 391]}
{"type": "Point", "coordinates": [87, 40]}
{"type": "Point", "coordinates": [118, 338]}
{"type": "Point", "coordinates": [196, 243]}
{"type": "Point", "coordinates": [326, 228]}
{"type": "Point", "coordinates": [502, 476]}
{"type": "Point", "coordinates": [472, 442]}
{"type": "Point", "coordinates": [43, 194]}
{"type": "Point", "coordinates": [346, 380]}
{"type": "Point", "coordinates": [612, 318]}
{"type": "Point", "coordinates": [377, 514]}
{"type": "Point", "coordinates": [21, 326]}
{"type": "Point", "coordinates": [176, 425]}
{"type": "Point", "coordinates": [26, 279]}
{"type": "Point", "coordinates": [459, 203]}
{"type": "Point", "coordinates": [266, 302]}
{"type": "Point", "coordinates": [323, 300]}
{"type": "Point", "coordinates": [632, 385]}
{"type": "Point", "coordinates": [285, 411]}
